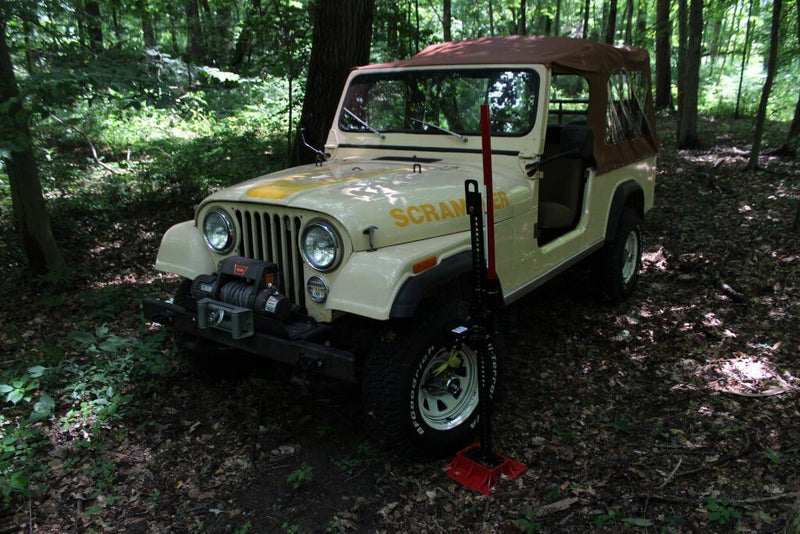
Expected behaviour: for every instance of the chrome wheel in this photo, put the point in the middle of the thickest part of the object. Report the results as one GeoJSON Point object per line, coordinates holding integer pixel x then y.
{"type": "Point", "coordinates": [448, 391]}
{"type": "Point", "coordinates": [630, 257]}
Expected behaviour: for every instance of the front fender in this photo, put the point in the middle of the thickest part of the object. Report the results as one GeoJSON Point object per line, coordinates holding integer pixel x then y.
{"type": "Point", "coordinates": [183, 251]}
{"type": "Point", "coordinates": [370, 282]}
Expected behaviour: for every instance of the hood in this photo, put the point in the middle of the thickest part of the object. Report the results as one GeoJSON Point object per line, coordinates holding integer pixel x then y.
{"type": "Point", "coordinates": [406, 201]}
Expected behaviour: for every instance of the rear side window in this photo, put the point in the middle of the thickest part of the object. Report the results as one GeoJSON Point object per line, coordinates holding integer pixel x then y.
{"type": "Point", "coordinates": [626, 112]}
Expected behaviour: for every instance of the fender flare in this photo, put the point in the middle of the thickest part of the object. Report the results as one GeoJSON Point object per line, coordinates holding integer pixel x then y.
{"type": "Point", "coordinates": [627, 194]}
{"type": "Point", "coordinates": [414, 289]}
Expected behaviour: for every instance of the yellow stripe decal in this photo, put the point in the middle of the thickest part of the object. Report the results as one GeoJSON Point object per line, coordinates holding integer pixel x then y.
{"type": "Point", "coordinates": [294, 184]}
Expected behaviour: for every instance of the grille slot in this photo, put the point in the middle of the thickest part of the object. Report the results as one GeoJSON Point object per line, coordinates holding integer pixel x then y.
{"type": "Point", "coordinates": [273, 237]}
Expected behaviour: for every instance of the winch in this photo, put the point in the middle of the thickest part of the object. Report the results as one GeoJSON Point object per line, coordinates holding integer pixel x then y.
{"type": "Point", "coordinates": [241, 287]}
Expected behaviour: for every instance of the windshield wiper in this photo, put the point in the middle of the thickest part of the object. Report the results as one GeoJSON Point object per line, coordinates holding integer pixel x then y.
{"type": "Point", "coordinates": [364, 124]}
{"type": "Point", "coordinates": [445, 130]}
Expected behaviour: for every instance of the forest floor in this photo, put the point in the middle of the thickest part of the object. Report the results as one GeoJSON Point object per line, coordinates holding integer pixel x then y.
{"type": "Point", "coordinates": [674, 412]}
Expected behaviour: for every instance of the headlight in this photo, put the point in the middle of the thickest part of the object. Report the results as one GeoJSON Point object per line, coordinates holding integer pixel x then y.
{"type": "Point", "coordinates": [321, 246]}
{"type": "Point", "coordinates": [219, 231]}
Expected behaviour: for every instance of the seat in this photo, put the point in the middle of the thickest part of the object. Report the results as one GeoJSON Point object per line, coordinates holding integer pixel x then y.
{"type": "Point", "coordinates": [561, 186]}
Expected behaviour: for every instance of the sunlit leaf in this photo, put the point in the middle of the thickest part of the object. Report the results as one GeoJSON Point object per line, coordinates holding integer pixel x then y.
{"type": "Point", "coordinates": [36, 371]}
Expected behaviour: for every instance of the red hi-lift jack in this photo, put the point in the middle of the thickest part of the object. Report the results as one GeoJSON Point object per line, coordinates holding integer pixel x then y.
{"type": "Point", "coordinates": [477, 467]}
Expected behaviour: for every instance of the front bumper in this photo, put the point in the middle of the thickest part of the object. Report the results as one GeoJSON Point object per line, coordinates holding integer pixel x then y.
{"type": "Point", "coordinates": [296, 342]}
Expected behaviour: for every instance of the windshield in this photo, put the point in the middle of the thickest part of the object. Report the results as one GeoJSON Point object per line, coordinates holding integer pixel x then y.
{"type": "Point", "coordinates": [441, 102]}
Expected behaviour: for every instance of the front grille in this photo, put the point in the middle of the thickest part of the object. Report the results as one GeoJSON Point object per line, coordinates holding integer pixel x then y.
{"type": "Point", "coordinates": [272, 236]}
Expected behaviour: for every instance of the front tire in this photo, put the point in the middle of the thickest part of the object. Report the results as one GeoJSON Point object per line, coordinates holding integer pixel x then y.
{"type": "Point", "coordinates": [423, 392]}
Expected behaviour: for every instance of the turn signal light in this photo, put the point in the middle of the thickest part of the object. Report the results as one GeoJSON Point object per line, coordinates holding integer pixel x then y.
{"type": "Point", "coordinates": [424, 265]}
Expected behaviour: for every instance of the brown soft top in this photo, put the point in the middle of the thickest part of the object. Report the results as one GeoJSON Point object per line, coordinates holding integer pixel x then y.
{"type": "Point", "coordinates": [573, 54]}
{"type": "Point", "coordinates": [593, 60]}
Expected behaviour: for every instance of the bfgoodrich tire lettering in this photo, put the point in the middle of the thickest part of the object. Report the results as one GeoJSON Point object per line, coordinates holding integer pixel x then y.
{"type": "Point", "coordinates": [422, 400]}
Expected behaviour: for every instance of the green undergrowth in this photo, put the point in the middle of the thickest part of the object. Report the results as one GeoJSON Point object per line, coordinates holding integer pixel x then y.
{"type": "Point", "coordinates": [60, 415]}
{"type": "Point", "coordinates": [127, 129]}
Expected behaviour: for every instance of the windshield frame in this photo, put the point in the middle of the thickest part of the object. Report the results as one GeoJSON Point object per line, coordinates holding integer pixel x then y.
{"type": "Point", "coordinates": [487, 71]}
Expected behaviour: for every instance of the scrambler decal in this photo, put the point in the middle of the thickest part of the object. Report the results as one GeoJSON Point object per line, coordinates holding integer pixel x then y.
{"type": "Point", "coordinates": [451, 209]}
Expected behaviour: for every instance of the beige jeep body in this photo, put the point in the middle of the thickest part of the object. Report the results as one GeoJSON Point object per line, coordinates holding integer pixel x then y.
{"type": "Point", "coordinates": [391, 200]}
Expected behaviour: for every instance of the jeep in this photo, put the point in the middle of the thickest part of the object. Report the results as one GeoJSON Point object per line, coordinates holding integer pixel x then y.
{"type": "Point", "coordinates": [358, 267]}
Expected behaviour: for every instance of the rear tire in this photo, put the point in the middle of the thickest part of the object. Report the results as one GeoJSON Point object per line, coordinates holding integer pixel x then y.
{"type": "Point", "coordinates": [424, 402]}
{"type": "Point", "coordinates": [619, 263]}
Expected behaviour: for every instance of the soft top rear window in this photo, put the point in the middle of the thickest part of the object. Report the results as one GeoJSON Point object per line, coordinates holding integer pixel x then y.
{"type": "Point", "coordinates": [441, 101]}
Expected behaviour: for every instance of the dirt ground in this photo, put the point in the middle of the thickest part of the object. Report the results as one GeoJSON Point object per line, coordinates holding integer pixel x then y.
{"type": "Point", "coordinates": [674, 412]}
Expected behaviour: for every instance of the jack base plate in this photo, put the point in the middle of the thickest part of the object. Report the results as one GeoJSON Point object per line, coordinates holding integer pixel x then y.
{"type": "Point", "coordinates": [479, 469]}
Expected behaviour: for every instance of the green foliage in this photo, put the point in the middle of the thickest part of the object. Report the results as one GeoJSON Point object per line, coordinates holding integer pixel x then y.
{"type": "Point", "coordinates": [20, 388]}
{"type": "Point", "coordinates": [363, 457]}
{"type": "Point", "coordinates": [611, 515]}
{"type": "Point", "coordinates": [528, 522]}
{"type": "Point", "coordinates": [84, 395]}
{"type": "Point", "coordinates": [772, 455]}
{"type": "Point", "coordinates": [721, 511]}
{"type": "Point", "coordinates": [301, 475]}
{"type": "Point", "coordinates": [290, 528]}
{"type": "Point", "coordinates": [615, 516]}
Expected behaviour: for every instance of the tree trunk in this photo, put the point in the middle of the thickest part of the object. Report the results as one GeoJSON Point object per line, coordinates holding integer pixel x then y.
{"type": "Point", "coordinates": [114, 4]}
{"type": "Point", "coordinates": [522, 20]}
{"type": "Point", "coordinates": [789, 147]}
{"type": "Point", "coordinates": [94, 25]}
{"type": "Point", "coordinates": [745, 55]}
{"type": "Point", "coordinates": [491, 20]}
{"type": "Point", "coordinates": [447, 20]}
{"type": "Point", "coordinates": [148, 32]}
{"type": "Point", "coordinates": [244, 43]}
{"type": "Point", "coordinates": [557, 27]}
{"type": "Point", "coordinates": [687, 135]}
{"type": "Point", "coordinates": [641, 25]}
{"type": "Point", "coordinates": [586, 7]}
{"type": "Point", "coordinates": [194, 32]}
{"type": "Point", "coordinates": [663, 47]}
{"type": "Point", "coordinates": [342, 31]}
{"type": "Point", "coordinates": [30, 36]}
{"type": "Point", "coordinates": [683, 38]}
{"type": "Point", "coordinates": [611, 22]}
{"type": "Point", "coordinates": [416, 26]}
{"type": "Point", "coordinates": [30, 213]}
{"type": "Point", "coordinates": [628, 39]}
{"type": "Point", "coordinates": [173, 31]}
{"type": "Point", "coordinates": [772, 63]}
{"type": "Point", "coordinates": [223, 33]}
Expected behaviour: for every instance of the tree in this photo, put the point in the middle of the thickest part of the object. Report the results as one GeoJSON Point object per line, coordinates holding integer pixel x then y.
{"type": "Point", "coordinates": [586, 8]}
{"type": "Point", "coordinates": [663, 46]}
{"type": "Point", "coordinates": [611, 22]}
{"type": "Point", "coordinates": [148, 32]}
{"type": "Point", "coordinates": [30, 214]}
{"type": "Point", "coordinates": [628, 39]}
{"type": "Point", "coordinates": [447, 20]}
{"type": "Point", "coordinates": [687, 131]}
{"type": "Point", "coordinates": [342, 31]}
{"type": "Point", "coordinates": [94, 25]}
{"type": "Point", "coordinates": [789, 147]}
{"type": "Point", "coordinates": [522, 18]}
{"type": "Point", "coordinates": [745, 57]}
{"type": "Point", "coordinates": [194, 32]}
{"type": "Point", "coordinates": [772, 62]}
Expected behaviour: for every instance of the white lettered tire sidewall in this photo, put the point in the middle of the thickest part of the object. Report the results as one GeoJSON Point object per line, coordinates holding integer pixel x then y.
{"type": "Point", "coordinates": [393, 386]}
